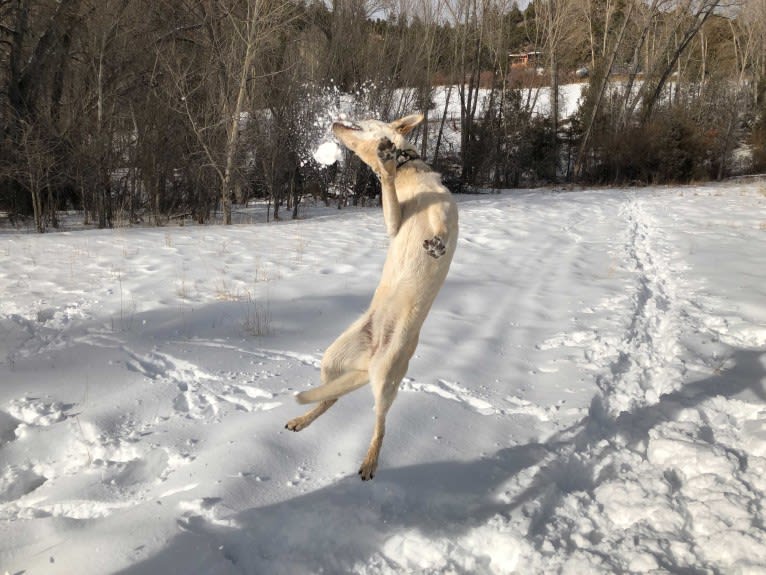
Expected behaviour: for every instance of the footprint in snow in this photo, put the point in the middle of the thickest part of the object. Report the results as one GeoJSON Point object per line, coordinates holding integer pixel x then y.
{"type": "Point", "coordinates": [17, 482]}
{"type": "Point", "coordinates": [37, 412]}
{"type": "Point", "coordinates": [8, 425]}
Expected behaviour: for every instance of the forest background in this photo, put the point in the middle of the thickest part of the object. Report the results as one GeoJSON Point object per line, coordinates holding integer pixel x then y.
{"type": "Point", "coordinates": [133, 111]}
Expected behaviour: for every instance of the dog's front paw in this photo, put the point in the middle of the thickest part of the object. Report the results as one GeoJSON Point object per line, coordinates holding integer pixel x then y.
{"type": "Point", "coordinates": [435, 247]}
{"type": "Point", "coordinates": [387, 156]}
{"type": "Point", "coordinates": [386, 150]}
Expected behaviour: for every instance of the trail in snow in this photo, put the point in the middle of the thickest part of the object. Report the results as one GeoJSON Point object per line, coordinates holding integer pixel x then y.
{"type": "Point", "coordinates": [648, 480]}
{"type": "Point", "coordinates": [588, 395]}
{"type": "Point", "coordinates": [646, 366]}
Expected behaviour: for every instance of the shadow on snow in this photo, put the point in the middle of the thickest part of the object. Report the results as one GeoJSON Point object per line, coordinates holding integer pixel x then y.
{"type": "Point", "coordinates": [335, 527]}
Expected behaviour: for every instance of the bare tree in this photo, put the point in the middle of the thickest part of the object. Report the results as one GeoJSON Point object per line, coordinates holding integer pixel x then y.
{"type": "Point", "coordinates": [602, 78]}
{"type": "Point", "coordinates": [752, 22]}
{"type": "Point", "coordinates": [35, 41]}
{"type": "Point", "coordinates": [217, 100]}
{"type": "Point", "coordinates": [105, 45]}
{"type": "Point", "coordinates": [467, 65]}
{"type": "Point", "coordinates": [33, 171]}
{"type": "Point", "coordinates": [554, 17]}
{"type": "Point", "coordinates": [689, 20]}
{"type": "Point", "coordinates": [648, 16]}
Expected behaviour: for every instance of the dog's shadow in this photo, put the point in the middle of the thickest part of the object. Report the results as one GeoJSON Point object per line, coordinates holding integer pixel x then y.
{"type": "Point", "coordinates": [341, 525]}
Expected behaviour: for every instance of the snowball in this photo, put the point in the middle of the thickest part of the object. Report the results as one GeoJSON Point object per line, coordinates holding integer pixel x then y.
{"type": "Point", "coordinates": [328, 153]}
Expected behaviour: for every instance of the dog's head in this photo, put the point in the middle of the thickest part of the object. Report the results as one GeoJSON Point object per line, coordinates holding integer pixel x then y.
{"type": "Point", "coordinates": [363, 137]}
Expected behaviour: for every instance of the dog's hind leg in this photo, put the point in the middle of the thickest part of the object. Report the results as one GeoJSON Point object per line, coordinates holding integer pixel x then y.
{"type": "Point", "coordinates": [383, 402]}
{"type": "Point", "coordinates": [344, 369]}
{"type": "Point", "coordinates": [345, 363]}
{"type": "Point", "coordinates": [385, 393]}
{"type": "Point", "coordinates": [305, 420]}
{"type": "Point", "coordinates": [326, 395]}
{"type": "Point", "coordinates": [333, 389]}
{"type": "Point", "coordinates": [386, 373]}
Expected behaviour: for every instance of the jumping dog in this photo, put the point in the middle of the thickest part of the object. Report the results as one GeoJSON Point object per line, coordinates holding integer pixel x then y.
{"type": "Point", "coordinates": [422, 223]}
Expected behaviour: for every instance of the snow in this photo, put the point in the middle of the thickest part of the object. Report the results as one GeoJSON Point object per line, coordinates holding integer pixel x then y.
{"type": "Point", "coordinates": [538, 99]}
{"type": "Point", "coordinates": [587, 397]}
{"type": "Point", "coordinates": [328, 153]}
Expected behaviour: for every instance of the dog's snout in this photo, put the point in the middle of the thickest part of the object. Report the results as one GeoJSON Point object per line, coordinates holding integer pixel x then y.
{"type": "Point", "coordinates": [346, 125]}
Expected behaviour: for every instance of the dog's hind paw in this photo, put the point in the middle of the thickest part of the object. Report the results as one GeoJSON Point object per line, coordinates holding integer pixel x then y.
{"type": "Point", "coordinates": [435, 247]}
{"type": "Point", "coordinates": [367, 471]}
{"type": "Point", "coordinates": [296, 424]}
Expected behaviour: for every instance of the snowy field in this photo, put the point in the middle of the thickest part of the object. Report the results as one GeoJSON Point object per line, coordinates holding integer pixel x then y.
{"type": "Point", "coordinates": [588, 395]}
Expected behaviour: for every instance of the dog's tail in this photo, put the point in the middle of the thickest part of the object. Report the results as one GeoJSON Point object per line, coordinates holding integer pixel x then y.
{"type": "Point", "coordinates": [346, 383]}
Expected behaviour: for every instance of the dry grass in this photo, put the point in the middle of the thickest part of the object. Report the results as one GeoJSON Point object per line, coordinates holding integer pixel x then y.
{"type": "Point", "coordinates": [257, 319]}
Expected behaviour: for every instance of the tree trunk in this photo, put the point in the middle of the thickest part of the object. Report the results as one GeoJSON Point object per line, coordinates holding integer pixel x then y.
{"type": "Point", "coordinates": [37, 209]}
{"type": "Point", "coordinates": [699, 19]}
{"type": "Point", "coordinates": [441, 124]}
{"type": "Point", "coordinates": [629, 103]}
{"type": "Point", "coordinates": [600, 94]}
{"type": "Point", "coordinates": [555, 113]}
{"type": "Point", "coordinates": [235, 119]}
{"type": "Point", "coordinates": [52, 207]}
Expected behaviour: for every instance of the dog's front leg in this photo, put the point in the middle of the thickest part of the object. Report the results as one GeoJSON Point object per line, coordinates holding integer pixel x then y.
{"type": "Point", "coordinates": [436, 246]}
{"type": "Point", "coordinates": [392, 211]}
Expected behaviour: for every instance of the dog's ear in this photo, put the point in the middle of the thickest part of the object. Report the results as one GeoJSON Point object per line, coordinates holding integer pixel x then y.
{"type": "Point", "coordinates": [405, 125]}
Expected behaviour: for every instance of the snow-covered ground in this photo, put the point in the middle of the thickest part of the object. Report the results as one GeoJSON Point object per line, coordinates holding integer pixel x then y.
{"type": "Point", "coordinates": [588, 395]}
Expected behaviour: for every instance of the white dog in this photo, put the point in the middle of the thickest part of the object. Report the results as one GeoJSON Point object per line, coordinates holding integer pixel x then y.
{"type": "Point", "coordinates": [422, 222]}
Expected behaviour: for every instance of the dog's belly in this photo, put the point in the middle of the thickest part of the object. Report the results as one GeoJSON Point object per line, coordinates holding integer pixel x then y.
{"type": "Point", "coordinates": [410, 282]}
{"type": "Point", "coordinates": [414, 271]}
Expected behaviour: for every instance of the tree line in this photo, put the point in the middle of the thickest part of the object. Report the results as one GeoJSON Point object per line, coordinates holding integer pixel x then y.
{"type": "Point", "coordinates": [137, 110]}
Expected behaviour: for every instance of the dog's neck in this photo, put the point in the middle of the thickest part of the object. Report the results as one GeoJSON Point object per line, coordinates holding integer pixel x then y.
{"type": "Point", "coordinates": [404, 155]}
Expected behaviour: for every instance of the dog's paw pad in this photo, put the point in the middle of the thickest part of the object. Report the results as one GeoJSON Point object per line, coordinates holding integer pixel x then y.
{"type": "Point", "coordinates": [386, 150]}
{"type": "Point", "coordinates": [435, 247]}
